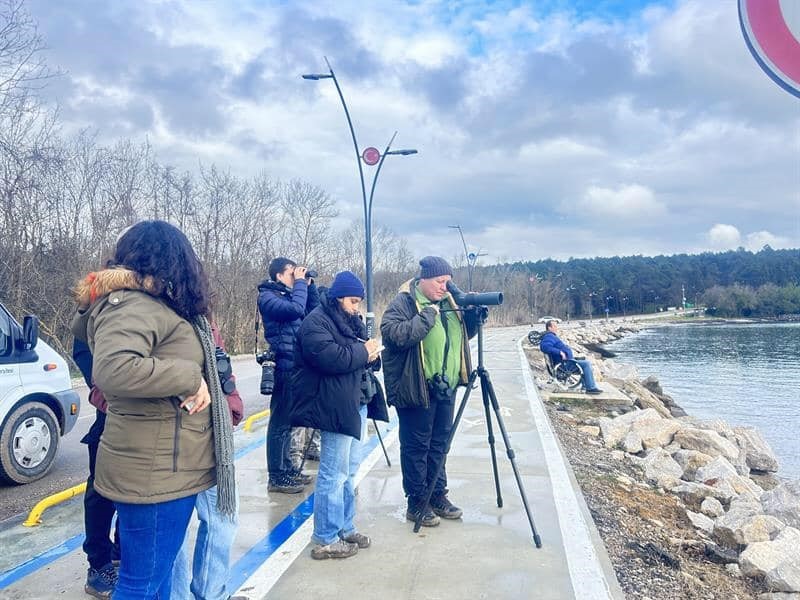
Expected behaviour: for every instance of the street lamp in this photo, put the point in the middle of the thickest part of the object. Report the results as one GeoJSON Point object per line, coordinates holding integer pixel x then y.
{"type": "Point", "coordinates": [369, 156]}
{"type": "Point", "coordinates": [472, 257]}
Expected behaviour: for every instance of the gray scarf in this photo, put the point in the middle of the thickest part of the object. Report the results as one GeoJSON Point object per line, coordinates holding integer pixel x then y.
{"type": "Point", "coordinates": [221, 420]}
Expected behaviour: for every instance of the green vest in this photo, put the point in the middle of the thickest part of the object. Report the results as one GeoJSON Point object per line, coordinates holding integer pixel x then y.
{"type": "Point", "coordinates": [434, 343]}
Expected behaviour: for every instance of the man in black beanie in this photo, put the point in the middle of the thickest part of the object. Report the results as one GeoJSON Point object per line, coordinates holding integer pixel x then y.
{"type": "Point", "coordinates": [426, 358]}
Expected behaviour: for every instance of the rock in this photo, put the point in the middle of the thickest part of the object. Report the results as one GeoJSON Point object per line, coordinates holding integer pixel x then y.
{"type": "Point", "coordinates": [693, 494]}
{"type": "Point", "coordinates": [651, 383]}
{"type": "Point", "coordinates": [644, 398]}
{"type": "Point", "coordinates": [720, 555]}
{"type": "Point", "coordinates": [778, 596]}
{"type": "Point", "coordinates": [783, 502]}
{"type": "Point", "coordinates": [720, 470]}
{"type": "Point", "coordinates": [700, 521]}
{"type": "Point", "coordinates": [655, 434]}
{"type": "Point", "coordinates": [786, 576]}
{"type": "Point", "coordinates": [760, 558]}
{"type": "Point", "coordinates": [632, 443]}
{"type": "Point", "coordinates": [618, 455]}
{"type": "Point", "coordinates": [591, 430]}
{"type": "Point", "coordinates": [760, 456]}
{"type": "Point", "coordinates": [712, 507]}
{"type": "Point", "coordinates": [690, 461]}
{"type": "Point", "coordinates": [733, 569]}
{"type": "Point", "coordinates": [661, 469]}
{"type": "Point", "coordinates": [706, 441]}
{"type": "Point", "coordinates": [614, 430]}
{"type": "Point", "coordinates": [737, 528]}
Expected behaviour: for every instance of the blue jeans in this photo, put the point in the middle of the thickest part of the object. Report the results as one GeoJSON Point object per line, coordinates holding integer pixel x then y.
{"type": "Point", "coordinates": [206, 575]}
{"type": "Point", "coordinates": [588, 376]}
{"type": "Point", "coordinates": [334, 496]}
{"type": "Point", "coordinates": [150, 537]}
{"type": "Point", "coordinates": [279, 430]}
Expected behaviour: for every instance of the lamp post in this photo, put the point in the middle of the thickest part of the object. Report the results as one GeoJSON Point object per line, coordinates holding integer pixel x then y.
{"type": "Point", "coordinates": [371, 157]}
{"type": "Point", "coordinates": [472, 257]}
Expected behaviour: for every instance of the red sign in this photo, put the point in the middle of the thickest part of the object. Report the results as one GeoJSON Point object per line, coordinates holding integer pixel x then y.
{"type": "Point", "coordinates": [371, 156]}
{"type": "Point", "coordinates": [772, 31]}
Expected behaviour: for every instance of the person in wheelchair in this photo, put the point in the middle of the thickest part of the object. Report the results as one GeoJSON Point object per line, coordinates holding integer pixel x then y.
{"type": "Point", "coordinates": [558, 351]}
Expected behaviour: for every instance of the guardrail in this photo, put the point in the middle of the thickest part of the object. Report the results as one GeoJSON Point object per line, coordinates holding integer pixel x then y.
{"type": "Point", "coordinates": [248, 424]}
{"type": "Point", "coordinates": [35, 516]}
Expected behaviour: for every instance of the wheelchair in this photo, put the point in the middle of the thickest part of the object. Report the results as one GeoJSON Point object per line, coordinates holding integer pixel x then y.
{"type": "Point", "coordinates": [567, 375]}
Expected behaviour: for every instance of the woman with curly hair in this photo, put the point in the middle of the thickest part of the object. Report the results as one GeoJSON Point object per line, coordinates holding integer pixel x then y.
{"type": "Point", "coordinates": [168, 433]}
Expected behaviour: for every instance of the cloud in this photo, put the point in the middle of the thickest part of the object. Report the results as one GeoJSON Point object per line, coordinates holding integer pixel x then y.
{"type": "Point", "coordinates": [628, 202]}
{"type": "Point", "coordinates": [724, 237]}
{"type": "Point", "coordinates": [758, 239]}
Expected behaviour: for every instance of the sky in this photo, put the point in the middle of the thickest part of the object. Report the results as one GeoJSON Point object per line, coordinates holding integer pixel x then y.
{"type": "Point", "coordinates": [545, 129]}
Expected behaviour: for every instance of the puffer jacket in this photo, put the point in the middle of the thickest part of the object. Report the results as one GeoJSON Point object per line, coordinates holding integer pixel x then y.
{"type": "Point", "coordinates": [282, 310]}
{"type": "Point", "coordinates": [330, 370]}
{"type": "Point", "coordinates": [552, 345]}
{"type": "Point", "coordinates": [146, 358]}
{"type": "Point", "coordinates": [403, 327]}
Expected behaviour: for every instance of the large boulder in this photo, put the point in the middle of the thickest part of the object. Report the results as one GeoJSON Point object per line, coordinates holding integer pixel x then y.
{"type": "Point", "coordinates": [615, 430]}
{"type": "Point", "coordinates": [786, 576]}
{"type": "Point", "coordinates": [652, 384]}
{"type": "Point", "coordinates": [783, 502]}
{"type": "Point", "coordinates": [661, 469]}
{"type": "Point", "coordinates": [693, 494]}
{"type": "Point", "coordinates": [690, 461]}
{"type": "Point", "coordinates": [644, 398]}
{"type": "Point", "coordinates": [762, 558]}
{"type": "Point", "coordinates": [701, 521]}
{"type": "Point", "coordinates": [760, 456]}
{"type": "Point", "coordinates": [712, 507]}
{"type": "Point", "coordinates": [706, 441]}
{"type": "Point", "coordinates": [720, 472]}
{"type": "Point", "coordinates": [737, 528]}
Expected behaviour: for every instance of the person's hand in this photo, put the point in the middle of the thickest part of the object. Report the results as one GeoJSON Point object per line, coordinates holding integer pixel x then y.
{"type": "Point", "coordinates": [199, 400]}
{"type": "Point", "coordinates": [563, 355]}
{"type": "Point", "coordinates": [373, 349]}
{"type": "Point", "coordinates": [300, 273]}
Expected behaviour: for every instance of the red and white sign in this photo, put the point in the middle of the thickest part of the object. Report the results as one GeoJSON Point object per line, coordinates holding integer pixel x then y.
{"type": "Point", "coordinates": [772, 31]}
{"type": "Point", "coordinates": [371, 156]}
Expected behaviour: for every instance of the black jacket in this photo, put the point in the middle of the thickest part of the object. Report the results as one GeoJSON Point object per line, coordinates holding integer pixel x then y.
{"type": "Point", "coordinates": [330, 364]}
{"type": "Point", "coordinates": [403, 328]}
{"type": "Point", "coordinates": [282, 309]}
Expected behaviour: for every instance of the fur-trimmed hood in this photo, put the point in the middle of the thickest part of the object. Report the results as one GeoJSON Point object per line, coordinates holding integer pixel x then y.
{"type": "Point", "coordinates": [100, 283]}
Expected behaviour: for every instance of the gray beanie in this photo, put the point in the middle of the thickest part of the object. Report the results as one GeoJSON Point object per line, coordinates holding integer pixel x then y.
{"type": "Point", "coordinates": [434, 266]}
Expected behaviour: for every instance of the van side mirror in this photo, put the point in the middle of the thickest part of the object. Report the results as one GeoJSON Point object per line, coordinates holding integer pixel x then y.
{"type": "Point", "coordinates": [30, 332]}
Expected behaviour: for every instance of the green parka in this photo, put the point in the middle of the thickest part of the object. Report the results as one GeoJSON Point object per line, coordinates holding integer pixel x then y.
{"type": "Point", "coordinates": [146, 358]}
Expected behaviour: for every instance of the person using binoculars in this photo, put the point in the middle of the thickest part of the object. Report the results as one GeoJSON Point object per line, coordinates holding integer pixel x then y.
{"type": "Point", "coordinates": [283, 301]}
{"type": "Point", "coordinates": [426, 358]}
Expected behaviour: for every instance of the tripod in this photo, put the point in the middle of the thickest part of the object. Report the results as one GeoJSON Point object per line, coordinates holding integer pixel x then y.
{"type": "Point", "coordinates": [489, 400]}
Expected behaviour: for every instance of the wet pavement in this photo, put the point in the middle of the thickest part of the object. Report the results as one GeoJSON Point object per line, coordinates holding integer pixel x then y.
{"type": "Point", "coordinates": [489, 553]}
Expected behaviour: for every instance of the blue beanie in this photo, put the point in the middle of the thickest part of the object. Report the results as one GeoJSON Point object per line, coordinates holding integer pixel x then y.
{"type": "Point", "coordinates": [346, 284]}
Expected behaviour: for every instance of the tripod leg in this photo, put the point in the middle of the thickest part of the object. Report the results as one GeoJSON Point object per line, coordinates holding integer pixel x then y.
{"type": "Point", "coordinates": [429, 492]}
{"type": "Point", "coordinates": [485, 385]}
{"type": "Point", "coordinates": [489, 388]}
{"type": "Point", "coordinates": [305, 452]}
{"type": "Point", "coordinates": [380, 439]}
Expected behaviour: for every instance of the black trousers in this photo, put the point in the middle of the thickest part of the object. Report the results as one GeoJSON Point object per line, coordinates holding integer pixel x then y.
{"type": "Point", "coordinates": [423, 438]}
{"type": "Point", "coordinates": [98, 512]}
{"type": "Point", "coordinates": [279, 429]}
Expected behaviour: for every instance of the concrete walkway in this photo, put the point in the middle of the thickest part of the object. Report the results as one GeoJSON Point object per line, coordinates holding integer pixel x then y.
{"type": "Point", "coordinates": [489, 553]}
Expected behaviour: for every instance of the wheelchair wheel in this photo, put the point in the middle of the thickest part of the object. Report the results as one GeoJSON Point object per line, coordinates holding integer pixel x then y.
{"type": "Point", "coordinates": [569, 374]}
{"type": "Point", "coordinates": [534, 337]}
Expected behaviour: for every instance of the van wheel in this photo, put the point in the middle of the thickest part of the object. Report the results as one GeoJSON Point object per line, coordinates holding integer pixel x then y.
{"type": "Point", "coordinates": [28, 443]}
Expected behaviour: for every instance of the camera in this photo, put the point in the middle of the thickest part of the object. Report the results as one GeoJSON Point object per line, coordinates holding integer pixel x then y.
{"type": "Point", "coordinates": [474, 298]}
{"type": "Point", "coordinates": [439, 387]}
{"type": "Point", "coordinates": [225, 371]}
{"type": "Point", "coordinates": [267, 361]}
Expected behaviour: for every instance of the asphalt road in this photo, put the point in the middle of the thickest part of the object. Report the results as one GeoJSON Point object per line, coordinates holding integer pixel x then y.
{"type": "Point", "coordinates": [71, 466]}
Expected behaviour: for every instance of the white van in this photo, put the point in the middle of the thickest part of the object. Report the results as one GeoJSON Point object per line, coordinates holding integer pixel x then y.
{"type": "Point", "coordinates": [37, 402]}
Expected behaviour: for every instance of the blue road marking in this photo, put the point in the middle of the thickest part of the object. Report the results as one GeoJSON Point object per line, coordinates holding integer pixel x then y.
{"type": "Point", "coordinates": [240, 571]}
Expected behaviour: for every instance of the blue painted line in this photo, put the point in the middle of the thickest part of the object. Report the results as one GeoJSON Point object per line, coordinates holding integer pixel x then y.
{"type": "Point", "coordinates": [243, 568]}
{"type": "Point", "coordinates": [258, 554]}
{"type": "Point", "coordinates": [37, 562]}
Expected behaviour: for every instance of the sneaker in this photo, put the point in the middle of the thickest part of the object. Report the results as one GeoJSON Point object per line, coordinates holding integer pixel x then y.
{"type": "Point", "coordinates": [362, 540]}
{"type": "Point", "coordinates": [444, 508]}
{"type": "Point", "coordinates": [302, 478]}
{"type": "Point", "coordinates": [429, 519]}
{"type": "Point", "coordinates": [284, 484]}
{"type": "Point", "coordinates": [100, 583]}
{"type": "Point", "coordinates": [338, 549]}
{"type": "Point", "coordinates": [594, 391]}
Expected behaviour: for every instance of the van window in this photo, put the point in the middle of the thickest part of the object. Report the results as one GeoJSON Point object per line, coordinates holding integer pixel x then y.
{"type": "Point", "coordinates": [5, 335]}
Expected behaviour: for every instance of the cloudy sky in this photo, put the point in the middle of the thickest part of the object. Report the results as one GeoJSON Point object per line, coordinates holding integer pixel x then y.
{"type": "Point", "coordinates": [547, 128]}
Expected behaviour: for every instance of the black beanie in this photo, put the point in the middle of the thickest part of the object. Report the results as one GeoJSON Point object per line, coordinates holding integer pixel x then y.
{"type": "Point", "coordinates": [434, 266]}
{"type": "Point", "coordinates": [346, 284]}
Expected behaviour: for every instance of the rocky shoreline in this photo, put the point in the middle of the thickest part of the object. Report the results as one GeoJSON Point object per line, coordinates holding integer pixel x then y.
{"type": "Point", "coordinates": [688, 508]}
